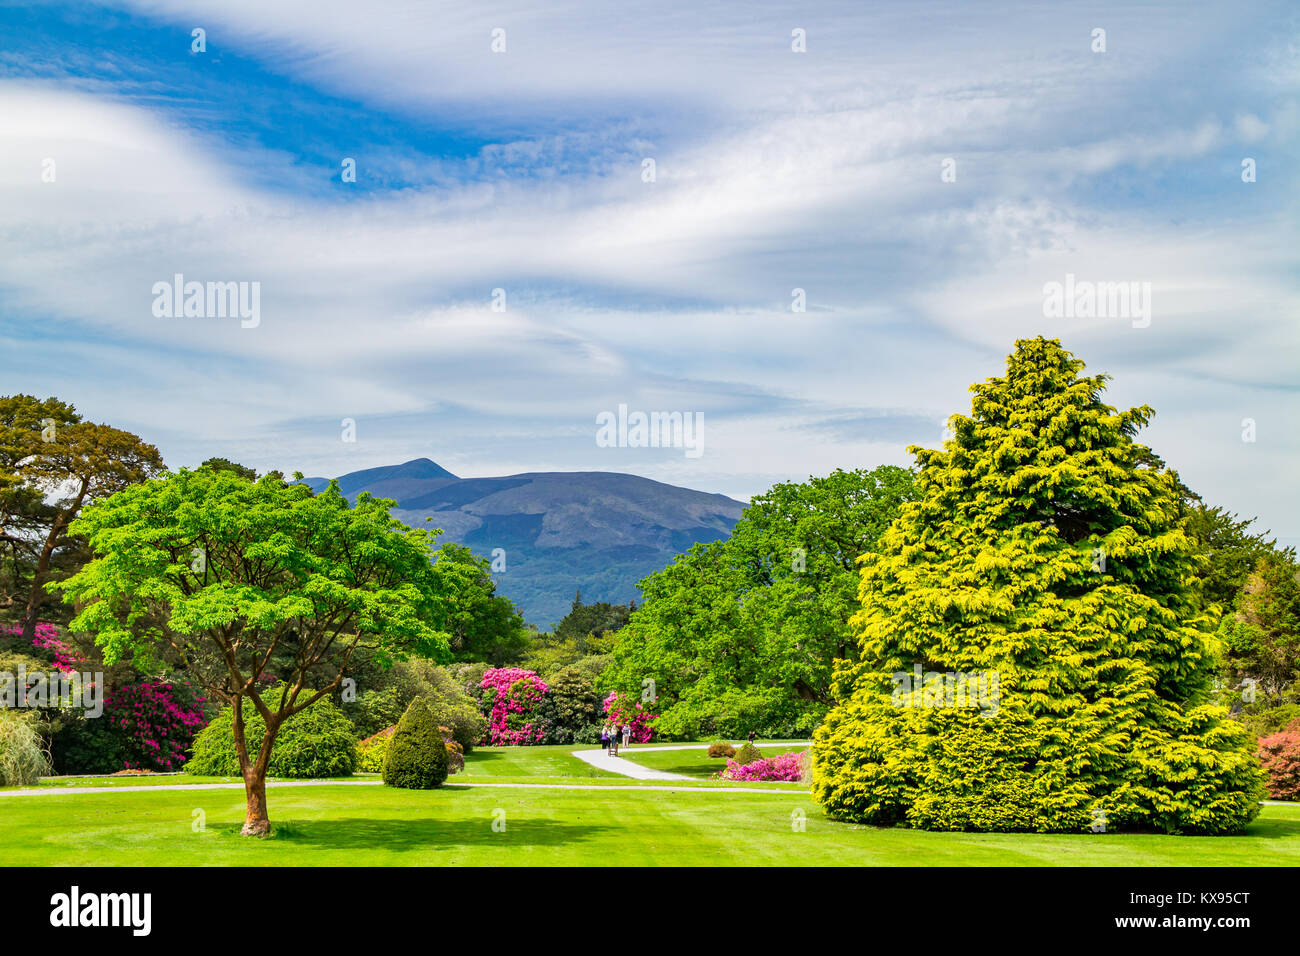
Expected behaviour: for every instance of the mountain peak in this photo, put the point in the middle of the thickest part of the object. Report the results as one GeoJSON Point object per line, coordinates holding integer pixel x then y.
{"type": "Point", "coordinates": [417, 468]}
{"type": "Point", "coordinates": [601, 531]}
{"type": "Point", "coordinates": [391, 481]}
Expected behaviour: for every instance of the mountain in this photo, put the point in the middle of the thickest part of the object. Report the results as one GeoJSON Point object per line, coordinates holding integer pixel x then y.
{"type": "Point", "coordinates": [594, 530]}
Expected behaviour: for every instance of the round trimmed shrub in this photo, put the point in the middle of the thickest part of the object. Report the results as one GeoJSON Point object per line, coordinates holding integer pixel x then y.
{"type": "Point", "coordinates": [417, 755]}
{"type": "Point", "coordinates": [720, 748]}
{"type": "Point", "coordinates": [748, 754]}
{"type": "Point", "coordinates": [314, 743]}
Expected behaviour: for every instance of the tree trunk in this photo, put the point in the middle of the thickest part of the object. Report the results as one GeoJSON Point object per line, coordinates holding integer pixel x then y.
{"type": "Point", "coordinates": [38, 589]}
{"type": "Point", "coordinates": [61, 521]}
{"type": "Point", "coordinates": [256, 821]}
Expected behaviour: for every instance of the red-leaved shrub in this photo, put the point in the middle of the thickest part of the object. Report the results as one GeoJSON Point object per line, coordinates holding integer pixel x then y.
{"type": "Point", "coordinates": [1280, 756]}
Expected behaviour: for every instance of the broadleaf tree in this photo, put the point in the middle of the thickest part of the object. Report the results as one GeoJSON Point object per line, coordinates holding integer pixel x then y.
{"type": "Point", "coordinates": [259, 590]}
{"type": "Point", "coordinates": [1034, 652]}
{"type": "Point", "coordinates": [739, 635]}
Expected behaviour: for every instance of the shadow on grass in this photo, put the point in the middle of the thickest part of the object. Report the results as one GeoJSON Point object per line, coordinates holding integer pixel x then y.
{"type": "Point", "coordinates": [1273, 828]}
{"type": "Point", "coordinates": [691, 770]}
{"type": "Point", "coordinates": [404, 836]}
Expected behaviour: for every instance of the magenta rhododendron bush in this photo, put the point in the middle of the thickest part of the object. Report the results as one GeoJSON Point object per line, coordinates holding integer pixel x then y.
{"type": "Point", "coordinates": [47, 639]}
{"type": "Point", "coordinates": [156, 726]}
{"type": "Point", "coordinates": [788, 767]}
{"type": "Point", "coordinates": [511, 696]}
{"type": "Point", "coordinates": [621, 709]}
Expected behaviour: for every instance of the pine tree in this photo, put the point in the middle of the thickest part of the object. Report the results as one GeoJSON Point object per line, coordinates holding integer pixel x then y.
{"type": "Point", "coordinates": [1044, 592]}
{"type": "Point", "coordinates": [417, 753]}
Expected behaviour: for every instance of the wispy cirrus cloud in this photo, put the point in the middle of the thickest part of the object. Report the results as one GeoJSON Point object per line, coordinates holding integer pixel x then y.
{"type": "Point", "coordinates": [522, 171]}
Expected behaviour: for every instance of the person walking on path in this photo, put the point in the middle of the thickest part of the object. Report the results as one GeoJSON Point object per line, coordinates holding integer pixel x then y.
{"type": "Point", "coordinates": [604, 737]}
{"type": "Point", "coordinates": [627, 735]}
{"type": "Point", "coordinates": [613, 740]}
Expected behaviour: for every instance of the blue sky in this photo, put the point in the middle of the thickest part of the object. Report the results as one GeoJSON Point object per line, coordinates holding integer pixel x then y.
{"type": "Point", "coordinates": [775, 170]}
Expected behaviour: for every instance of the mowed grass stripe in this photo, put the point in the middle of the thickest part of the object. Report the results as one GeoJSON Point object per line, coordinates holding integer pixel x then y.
{"type": "Point", "coordinates": [355, 826]}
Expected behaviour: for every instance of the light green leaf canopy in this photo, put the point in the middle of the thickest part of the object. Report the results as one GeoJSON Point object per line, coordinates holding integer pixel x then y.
{"type": "Point", "coordinates": [240, 582]}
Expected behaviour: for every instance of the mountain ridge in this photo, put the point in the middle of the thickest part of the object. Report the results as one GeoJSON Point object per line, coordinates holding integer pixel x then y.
{"type": "Point", "coordinates": [598, 531]}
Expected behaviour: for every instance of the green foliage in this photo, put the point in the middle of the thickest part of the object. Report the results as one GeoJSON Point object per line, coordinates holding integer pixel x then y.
{"type": "Point", "coordinates": [225, 464]}
{"type": "Point", "coordinates": [739, 635]}
{"type": "Point", "coordinates": [80, 745]}
{"type": "Point", "coordinates": [1262, 721]}
{"type": "Point", "coordinates": [386, 694]}
{"type": "Point", "coordinates": [1231, 550]}
{"type": "Point", "coordinates": [196, 557]}
{"type": "Point", "coordinates": [52, 463]}
{"type": "Point", "coordinates": [748, 754]}
{"type": "Point", "coordinates": [1262, 636]}
{"type": "Point", "coordinates": [588, 735]}
{"type": "Point", "coordinates": [23, 759]}
{"type": "Point", "coordinates": [1046, 551]}
{"type": "Point", "coordinates": [25, 515]}
{"type": "Point", "coordinates": [372, 751]}
{"type": "Point", "coordinates": [417, 754]}
{"type": "Point", "coordinates": [317, 742]}
{"type": "Point", "coordinates": [245, 582]}
{"type": "Point", "coordinates": [572, 704]}
{"type": "Point", "coordinates": [590, 622]}
{"type": "Point", "coordinates": [469, 677]}
{"type": "Point", "coordinates": [482, 625]}
{"type": "Point", "coordinates": [586, 633]}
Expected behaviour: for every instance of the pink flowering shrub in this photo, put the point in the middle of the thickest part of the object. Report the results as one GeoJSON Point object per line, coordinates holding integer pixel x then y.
{"type": "Point", "coordinates": [622, 709]}
{"type": "Point", "coordinates": [154, 723]}
{"type": "Point", "coordinates": [510, 699]}
{"type": "Point", "coordinates": [788, 767]}
{"type": "Point", "coordinates": [47, 639]}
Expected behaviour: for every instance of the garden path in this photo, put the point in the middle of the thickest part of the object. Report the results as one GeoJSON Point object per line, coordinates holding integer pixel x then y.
{"type": "Point", "coordinates": [602, 760]}
{"type": "Point", "coordinates": [628, 768]}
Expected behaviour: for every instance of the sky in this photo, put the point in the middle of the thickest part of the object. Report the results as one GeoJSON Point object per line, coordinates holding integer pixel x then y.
{"type": "Point", "coordinates": [921, 171]}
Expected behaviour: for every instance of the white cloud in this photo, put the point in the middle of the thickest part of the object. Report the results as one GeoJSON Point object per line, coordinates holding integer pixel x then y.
{"type": "Point", "coordinates": [820, 173]}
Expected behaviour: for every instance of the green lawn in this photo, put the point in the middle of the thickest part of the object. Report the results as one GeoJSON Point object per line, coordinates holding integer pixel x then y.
{"type": "Point", "coordinates": [493, 763]}
{"type": "Point", "coordinates": [695, 823]}
{"type": "Point", "coordinates": [375, 825]}
{"type": "Point", "coordinates": [551, 765]}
